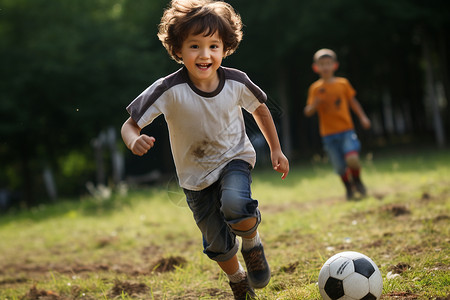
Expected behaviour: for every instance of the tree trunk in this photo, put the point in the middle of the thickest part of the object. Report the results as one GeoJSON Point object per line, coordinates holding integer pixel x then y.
{"type": "Point", "coordinates": [50, 185]}
{"type": "Point", "coordinates": [444, 67]}
{"type": "Point", "coordinates": [284, 102]}
{"type": "Point", "coordinates": [97, 144]}
{"type": "Point", "coordinates": [28, 182]}
{"type": "Point", "coordinates": [117, 159]}
{"type": "Point", "coordinates": [430, 87]}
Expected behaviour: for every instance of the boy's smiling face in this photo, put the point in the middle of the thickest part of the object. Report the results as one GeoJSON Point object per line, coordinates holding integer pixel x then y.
{"type": "Point", "coordinates": [202, 56]}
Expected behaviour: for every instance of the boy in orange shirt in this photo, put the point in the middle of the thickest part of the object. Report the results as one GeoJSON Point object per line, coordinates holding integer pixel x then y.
{"type": "Point", "coordinates": [332, 98]}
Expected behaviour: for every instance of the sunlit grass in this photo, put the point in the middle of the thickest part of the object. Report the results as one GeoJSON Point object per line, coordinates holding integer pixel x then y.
{"type": "Point", "coordinates": [82, 249]}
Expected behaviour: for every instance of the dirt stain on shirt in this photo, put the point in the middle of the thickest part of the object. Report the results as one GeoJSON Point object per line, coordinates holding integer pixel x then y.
{"type": "Point", "coordinates": [205, 148]}
{"type": "Point", "coordinates": [200, 149]}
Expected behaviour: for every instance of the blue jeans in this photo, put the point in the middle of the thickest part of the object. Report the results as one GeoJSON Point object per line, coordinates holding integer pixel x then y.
{"type": "Point", "coordinates": [338, 146]}
{"type": "Point", "coordinates": [227, 201]}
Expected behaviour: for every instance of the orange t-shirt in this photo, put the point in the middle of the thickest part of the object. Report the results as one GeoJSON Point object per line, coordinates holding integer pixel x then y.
{"type": "Point", "coordinates": [334, 110]}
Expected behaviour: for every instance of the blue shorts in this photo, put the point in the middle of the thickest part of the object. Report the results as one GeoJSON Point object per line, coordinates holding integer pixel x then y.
{"type": "Point", "coordinates": [338, 146]}
{"type": "Point", "coordinates": [225, 202]}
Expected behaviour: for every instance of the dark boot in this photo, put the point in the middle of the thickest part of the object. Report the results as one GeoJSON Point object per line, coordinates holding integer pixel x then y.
{"type": "Point", "coordinates": [346, 180]}
{"type": "Point", "coordinates": [349, 190]}
{"type": "Point", "coordinates": [359, 186]}
{"type": "Point", "coordinates": [242, 290]}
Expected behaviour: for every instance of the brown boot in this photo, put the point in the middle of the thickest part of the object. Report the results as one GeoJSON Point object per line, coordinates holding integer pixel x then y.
{"type": "Point", "coordinates": [242, 290]}
{"type": "Point", "coordinates": [257, 267]}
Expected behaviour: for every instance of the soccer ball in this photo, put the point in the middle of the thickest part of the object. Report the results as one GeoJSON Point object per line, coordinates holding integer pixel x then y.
{"type": "Point", "coordinates": [350, 276]}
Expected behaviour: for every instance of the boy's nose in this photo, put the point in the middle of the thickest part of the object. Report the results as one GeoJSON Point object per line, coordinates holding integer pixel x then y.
{"type": "Point", "coordinates": [204, 53]}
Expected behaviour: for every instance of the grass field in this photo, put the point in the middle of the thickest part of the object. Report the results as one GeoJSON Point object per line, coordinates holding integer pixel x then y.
{"type": "Point", "coordinates": [145, 245]}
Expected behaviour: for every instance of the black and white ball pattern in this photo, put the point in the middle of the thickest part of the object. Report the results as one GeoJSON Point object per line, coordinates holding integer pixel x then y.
{"type": "Point", "coordinates": [350, 276]}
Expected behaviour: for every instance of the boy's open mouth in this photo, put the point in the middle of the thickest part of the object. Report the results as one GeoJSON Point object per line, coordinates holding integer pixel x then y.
{"type": "Point", "coordinates": [204, 66]}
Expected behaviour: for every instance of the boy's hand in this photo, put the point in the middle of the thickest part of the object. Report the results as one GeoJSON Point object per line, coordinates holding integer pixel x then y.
{"type": "Point", "coordinates": [317, 101]}
{"type": "Point", "coordinates": [365, 122]}
{"type": "Point", "coordinates": [280, 163]}
{"type": "Point", "coordinates": [312, 108]}
{"type": "Point", "coordinates": [142, 144]}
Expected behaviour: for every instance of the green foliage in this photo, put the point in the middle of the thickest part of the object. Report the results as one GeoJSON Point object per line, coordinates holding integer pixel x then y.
{"type": "Point", "coordinates": [69, 68]}
{"type": "Point", "coordinates": [73, 164]}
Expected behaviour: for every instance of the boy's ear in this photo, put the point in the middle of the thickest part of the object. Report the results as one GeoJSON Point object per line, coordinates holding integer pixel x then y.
{"type": "Point", "coordinates": [315, 68]}
{"type": "Point", "coordinates": [178, 54]}
{"type": "Point", "coordinates": [335, 66]}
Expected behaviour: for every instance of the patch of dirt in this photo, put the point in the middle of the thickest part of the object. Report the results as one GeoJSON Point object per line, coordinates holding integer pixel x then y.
{"type": "Point", "coordinates": [396, 209]}
{"type": "Point", "coordinates": [39, 294]}
{"type": "Point", "coordinates": [132, 289]}
{"type": "Point", "coordinates": [294, 238]}
{"type": "Point", "coordinates": [168, 264]}
{"type": "Point", "coordinates": [60, 268]}
{"type": "Point", "coordinates": [35, 294]}
{"type": "Point", "coordinates": [303, 206]}
{"type": "Point", "coordinates": [13, 280]}
{"type": "Point", "coordinates": [37, 269]}
{"type": "Point", "coordinates": [278, 286]}
{"type": "Point", "coordinates": [379, 195]}
{"type": "Point", "coordinates": [441, 218]}
{"type": "Point", "coordinates": [290, 268]}
{"type": "Point", "coordinates": [212, 292]}
{"type": "Point", "coordinates": [426, 196]}
{"type": "Point", "coordinates": [401, 295]}
{"type": "Point", "coordinates": [375, 244]}
{"type": "Point", "coordinates": [150, 251]}
{"type": "Point", "coordinates": [440, 197]}
{"type": "Point", "coordinates": [415, 249]}
{"type": "Point", "coordinates": [282, 207]}
{"type": "Point", "coordinates": [106, 241]}
{"type": "Point", "coordinates": [345, 247]}
{"type": "Point", "coordinates": [441, 267]}
{"type": "Point", "coordinates": [399, 268]}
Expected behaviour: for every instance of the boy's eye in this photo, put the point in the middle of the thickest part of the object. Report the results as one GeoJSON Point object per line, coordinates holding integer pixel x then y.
{"type": "Point", "coordinates": [214, 46]}
{"type": "Point", "coordinates": [194, 46]}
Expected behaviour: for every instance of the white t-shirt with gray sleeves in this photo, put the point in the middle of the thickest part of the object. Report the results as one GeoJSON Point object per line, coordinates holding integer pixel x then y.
{"type": "Point", "coordinates": [206, 130]}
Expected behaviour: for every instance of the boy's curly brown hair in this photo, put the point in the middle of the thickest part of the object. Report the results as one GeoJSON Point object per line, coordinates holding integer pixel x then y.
{"type": "Point", "coordinates": [184, 17]}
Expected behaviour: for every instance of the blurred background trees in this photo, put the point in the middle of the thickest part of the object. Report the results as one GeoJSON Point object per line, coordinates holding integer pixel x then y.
{"type": "Point", "coordinates": [70, 67]}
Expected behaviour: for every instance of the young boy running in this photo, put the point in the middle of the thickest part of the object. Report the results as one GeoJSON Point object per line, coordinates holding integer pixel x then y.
{"type": "Point", "coordinates": [332, 98]}
{"type": "Point", "coordinates": [202, 104]}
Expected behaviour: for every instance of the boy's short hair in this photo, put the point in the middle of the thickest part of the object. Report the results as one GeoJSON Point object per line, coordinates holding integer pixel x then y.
{"type": "Point", "coordinates": [324, 53]}
{"type": "Point", "coordinates": [184, 17]}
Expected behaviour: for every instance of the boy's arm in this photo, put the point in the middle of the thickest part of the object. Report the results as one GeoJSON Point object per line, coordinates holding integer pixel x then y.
{"type": "Point", "coordinates": [137, 143]}
{"type": "Point", "coordinates": [265, 123]}
{"type": "Point", "coordinates": [312, 102]}
{"type": "Point", "coordinates": [358, 110]}
{"type": "Point", "coordinates": [311, 109]}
